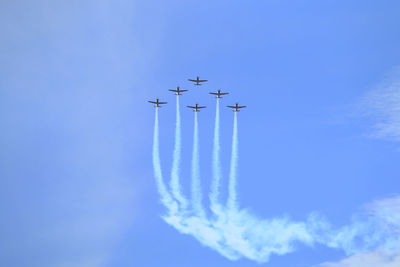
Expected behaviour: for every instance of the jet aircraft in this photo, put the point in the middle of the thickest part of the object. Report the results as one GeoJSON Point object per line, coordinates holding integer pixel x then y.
{"type": "Point", "coordinates": [196, 108]}
{"type": "Point", "coordinates": [177, 91]}
{"type": "Point", "coordinates": [157, 103]}
{"type": "Point", "coordinates": [236, 107]}
{"type": "Point", "coordinates": [197, 81]}
{"type": "Point", "coordinates": [218, 94]}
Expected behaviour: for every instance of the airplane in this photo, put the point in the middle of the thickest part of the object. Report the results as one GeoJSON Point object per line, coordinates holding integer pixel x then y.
{"type": "Point", "coordinates": [218, 94]}
{"type": "Point", "coordinates": [236, 107]}
{"type": "Point", "coordinates": [158, 103]}
{"type": "Point", "coordinates": [196, 108]}
{"type": "Point", "coordinates": [197, 81]}
{"type": "Point", "coordinates": [177, 91]}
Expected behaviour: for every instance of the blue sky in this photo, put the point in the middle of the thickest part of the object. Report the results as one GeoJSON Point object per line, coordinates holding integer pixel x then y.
{"type": "Point", "coordinates": [320, 133]}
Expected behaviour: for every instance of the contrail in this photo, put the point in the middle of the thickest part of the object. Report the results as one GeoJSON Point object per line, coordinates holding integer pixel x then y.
{"type": "Point", "coordinates": [216, 166]}
{"type": "Point", "coordinates": [162, 190]}
{"type": "Point", "coordinates": [176, 159]}
{"type": "Point", "coordinates": [232, 196]}
{"type": "Point", "coordinates": [237, 233]}
{"type": "Point", "coordinates": [196, 186]}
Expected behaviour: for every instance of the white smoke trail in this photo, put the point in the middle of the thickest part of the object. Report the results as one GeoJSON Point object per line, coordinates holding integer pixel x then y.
{"type": "Point", "coordinates": [176, 159]}
{"type": "Point", "coordinates": [185, 223]}
{"type": "Point", "coordinates": [236, 233]}
{"type": "Point", "coordinates": [196, 186]}
{"type": "Point", "coordinates": [162, 190]}
{"type": "Point", "coordinates": [232, 196]}
{"type": "Point", "coordinates": [216, 166]}
{"type": "Point", "coordinates": [180, 219]}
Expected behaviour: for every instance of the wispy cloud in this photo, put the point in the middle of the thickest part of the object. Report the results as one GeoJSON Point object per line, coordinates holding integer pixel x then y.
{"type": "Point", "coordinates": [376, 258]}
{"type": "Point", "coordinates": [383, 104]}
{"type": "Point", "coordinates": [234, 232]}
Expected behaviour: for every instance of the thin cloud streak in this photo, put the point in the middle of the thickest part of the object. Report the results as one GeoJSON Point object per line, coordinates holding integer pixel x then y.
{"type": "Point", "coordinates": [166, 198]}
{"type": "Point", "coordinates": [196, 185]}
{"type": "Point", "coordinates": [176, 160]}
{"type": "Point", "coordinates": [216, 166]}
{"type": "Point", "coordinates": [232, 195]}
{"type": "Point", "coordinates": [383, 104]}
{"type": "Point", "coordinates": [370, 259]}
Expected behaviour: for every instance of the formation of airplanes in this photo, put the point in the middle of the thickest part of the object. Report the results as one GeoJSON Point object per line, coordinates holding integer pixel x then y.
{"type": "Point", "coordinates": [196, 107]}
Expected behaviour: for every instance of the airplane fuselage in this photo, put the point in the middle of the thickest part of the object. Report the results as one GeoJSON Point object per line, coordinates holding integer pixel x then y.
{"type": "Point", "coordinates": [177, 91]}
{"type": "Point", "coordinates": [218, 94]}
{"type": "Point", "coordinates": [197, 81]}
{"type": "Point", "coordinates": [196, 108]}
{"type": "Point", "coordinates": [236, 107]}
{"type": "Point", "coordinates": [157, 103]}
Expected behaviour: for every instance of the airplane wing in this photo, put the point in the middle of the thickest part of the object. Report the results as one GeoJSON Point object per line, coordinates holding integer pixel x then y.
{"type": "Point", "coordinates": [223, 93]}
{"type": "Point", "coordinates": [191, 107]}
{"type": "Point", "coordinates": [231, 106]}
{"type": "Point", "coordinates": [152, 102]}
{"type": "Point", "coordinates": [214, 93]}
{"type": "Point", "coordinates": [192, 80]}
{"type": "Point", "coordinates": [172, 90]}
{"type": "Point", "coordinates": [162, 102]}
{"type": "Point", "coordinates": [182, 90]}
{"type": "Point", "coordinates": [201, 107]}
{"type": "Point", "coordinates": [241, 107]}
{"type": "Point", "coordinates": [200, 81]}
